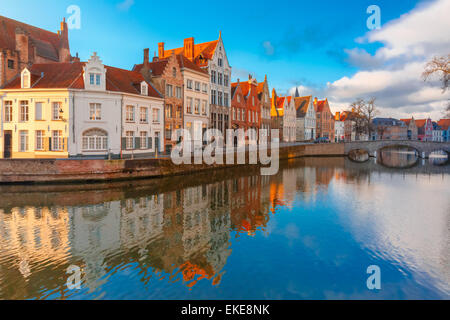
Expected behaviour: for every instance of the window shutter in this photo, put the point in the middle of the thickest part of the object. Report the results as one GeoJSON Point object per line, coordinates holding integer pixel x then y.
{"type": "Point", "coordinates": [137, 143]}
{"type": "Point", "coordinates": [46, 142]}
{"type": "Point", "coordinates": [124, 143]}
{"type": "Point", "coordinates": [49, 144]}
{"type": "Point", "coordinates": [149, 145]}
{"type": "Point", "coordinates": [65, 144]}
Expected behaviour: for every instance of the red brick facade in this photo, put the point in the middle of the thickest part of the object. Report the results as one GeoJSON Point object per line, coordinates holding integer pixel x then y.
{"type": "Point", "coordinates": [22, 45]}
{"type": "Point", "coordinates": [165, 74]}
{"type": "Point", "coordinates": [324, 119]}
{"type": "Point", "coordinates": [245, 105]}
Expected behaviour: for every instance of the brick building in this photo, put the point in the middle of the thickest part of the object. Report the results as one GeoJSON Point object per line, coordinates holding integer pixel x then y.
{"type": "Point", "coordinates": [238, 109]}
{"type": "Point", "coordinates": [264, 99]}
{"type": "Point", "coordinates": [324, 119]}
{"type": "Point", "coordinates": [22, 45]}
{"type": "Point", "coordinates": [412, 131]}
{"type": "Point", "coordinates": [424, 129]}
{"type": "Point", "coordinates": [165, 74]}
{"type": "Point", "coordinates": [212, 57]}
{"type": "Point", "coordinates": [246, 107]}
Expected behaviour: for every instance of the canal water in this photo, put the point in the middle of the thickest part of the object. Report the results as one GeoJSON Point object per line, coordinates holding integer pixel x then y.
{"type": "Point", "coordinates": [309, 232]}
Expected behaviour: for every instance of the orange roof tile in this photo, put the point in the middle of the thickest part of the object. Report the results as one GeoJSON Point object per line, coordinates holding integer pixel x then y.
{"type": "Point", "coordinates": [157, 67]}
{"type": "Point", "coordinates": [420, 122]}
{"type": "Point", "coordinates": [320, 105]}
{"type": "Point", "coordinates": [407, 121]}
{"type": "Point", "coordinates": [205, 50]}
{"type": "Point", "coordinates": [302, 105]}
{"type": "Point", "coordinates": [70, 76]}
{"type": "Point", "coordinates": [444, 123]}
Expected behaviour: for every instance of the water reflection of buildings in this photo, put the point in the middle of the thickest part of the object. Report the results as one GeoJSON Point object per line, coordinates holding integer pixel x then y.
{"type": "Point", "coordinates": [397, 158]}
{"type": "Point", "coordinates": [184, 234]}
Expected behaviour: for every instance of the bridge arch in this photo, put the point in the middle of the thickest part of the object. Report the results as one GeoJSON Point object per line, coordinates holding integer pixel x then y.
{"type": "Point", "coordinates": [423, 147]}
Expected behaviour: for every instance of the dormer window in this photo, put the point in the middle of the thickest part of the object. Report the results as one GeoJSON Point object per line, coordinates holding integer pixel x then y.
{"type": "Point", "coordinates": [94, 74]}
{"type": "Point", "coordinates": [144, 89]}
{"type": "Point", "coordinates": [95, 79]}
{"type": "Point", "coordinates": [25, 79]}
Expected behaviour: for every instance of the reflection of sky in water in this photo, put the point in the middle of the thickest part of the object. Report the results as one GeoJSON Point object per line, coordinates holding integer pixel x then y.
{"type": "Point", "coordinates": [309, 232]}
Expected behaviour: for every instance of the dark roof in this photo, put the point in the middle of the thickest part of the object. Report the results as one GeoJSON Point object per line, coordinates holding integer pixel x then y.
{"type": "Point", "coordinates": [301, 105]}
{"type": "Point", "coordinates": [387, 122]}
{"type": "Point", "coordinates": [158, 66]}
{"type": "Point", "coordinates": [47, 43]}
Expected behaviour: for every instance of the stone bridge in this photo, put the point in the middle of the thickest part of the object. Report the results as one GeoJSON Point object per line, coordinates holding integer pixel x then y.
{"type": "Point", "coordinates": [424, 148]}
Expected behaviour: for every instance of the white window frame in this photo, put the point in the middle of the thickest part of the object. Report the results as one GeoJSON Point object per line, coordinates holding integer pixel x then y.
{"type": "Point", "coordinates": [24, 111]}
{"type": "Point", "coordinates": [95, 111]}
{"type": "Point", "coordinates": [130, 113]}
{"type": "Point", "coordinates": [129, 140]}
{"type": "Point", "coordinates": [23, 141]}
{"type": "Point", "coordinates": [143, 111]}
{"type": "Point", "coordinates": [144, 139]}
{"type": "Point", "coordinates": [8, 111]}
{"type": "Point", "coordinates": [40, 136]}
{"type": "Point", "coordinates": [55, 113]}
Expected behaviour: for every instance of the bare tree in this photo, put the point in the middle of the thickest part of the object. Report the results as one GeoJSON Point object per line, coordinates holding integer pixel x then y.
{"type": "Point", "coordinates": [440, 66]}
{"type": "Point", "coordinates": [364, 112]}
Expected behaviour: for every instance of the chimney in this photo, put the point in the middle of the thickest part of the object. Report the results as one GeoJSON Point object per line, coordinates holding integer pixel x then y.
{"type": "Point", "coordinates": [64, 49]}
{"type": "Point", "coordinates": [22, 46]}
{"type": "Point", "coordinates": [189, 48]}
{"type": "Point", "coordinates": [146, 57]}
{"type": "Point", "coordinates": [315, 100]}
{"type": "Point", "coordinates": [161, 50]}
{"type": "Point", "coordinates": [76, 58]}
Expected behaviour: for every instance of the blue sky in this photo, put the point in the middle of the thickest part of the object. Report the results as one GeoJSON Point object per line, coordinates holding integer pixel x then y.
{"type": "Point", "coordinates": [296, 43]}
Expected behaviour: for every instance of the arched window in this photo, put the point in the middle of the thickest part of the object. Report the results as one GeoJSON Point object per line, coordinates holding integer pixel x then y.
{"type": "Point", "coordinates": [95, 140]}
{"type": "Point", "coordinates": [174, 72]}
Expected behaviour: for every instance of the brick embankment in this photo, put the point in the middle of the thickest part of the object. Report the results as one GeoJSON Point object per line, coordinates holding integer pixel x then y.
{"type": "Point", "coordinates": [63, 171]}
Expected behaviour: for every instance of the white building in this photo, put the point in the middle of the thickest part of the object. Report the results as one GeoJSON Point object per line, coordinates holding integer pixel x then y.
{"type": "Point", "coordinates": [305, 118]}
{"type": "Point", "coordinates": [79, 109]}
{"type": "Point", "coordinates": [196, 99]}
{"type": "Point", "coordinates": [339, 128]}
{"type": "Point", "coordinates": [438, 133]}
{"type": "Point", "coordinates": [286, 106]}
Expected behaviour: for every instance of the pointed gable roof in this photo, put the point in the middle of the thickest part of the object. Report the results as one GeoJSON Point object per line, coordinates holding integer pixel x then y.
{"type": "Point", "coordinates": [302, 105]}
{"type": "Point", "coordinates": [185, 63]}
{"type": "Point", "coordinates": [158, 66]}
{"type": "Point", "coordinates": [234, 87]}
{"type": "Point", "coordinates": [321, 104]}
{"type": "Point", "coordinates": [280, 102]}
{"type": "Point", "coordinates": [444, 123]}
{"type": "Point", "coordinates": [406, 121]}
{"type": "Point", "coordinates": [421, 123]}
{"type": "Point", "coordinates": [203, 52]}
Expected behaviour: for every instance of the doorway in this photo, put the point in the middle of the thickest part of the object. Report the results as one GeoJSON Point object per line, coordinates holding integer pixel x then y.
{"type": "Point", "coordinates": [7, 147]}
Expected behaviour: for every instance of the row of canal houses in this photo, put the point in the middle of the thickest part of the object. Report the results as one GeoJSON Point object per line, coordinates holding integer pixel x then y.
{"type": "Point", "coordinates": [55, 106]}
{"type": "Point", "coordinates": [411, 129]}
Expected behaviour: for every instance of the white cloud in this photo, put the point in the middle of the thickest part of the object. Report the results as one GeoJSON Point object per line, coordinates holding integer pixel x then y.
{"type": "Point", "coordinates": [393, 73]}
{"type": "Point", "coordinates": [125, 5]}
